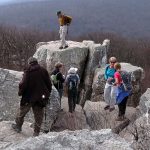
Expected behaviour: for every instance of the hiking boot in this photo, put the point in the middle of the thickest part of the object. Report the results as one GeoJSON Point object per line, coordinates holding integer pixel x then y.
{"type": "Point", "coordinates": [16, 128]}
{"type": "Point", "coordinates": [66, 46]}
{"type": "Point", "coordinates": [60, 47]}
{"type": "Point", "coordinates": [106, 107]}
{"type": "Point", "coordinates": [111, 109]}
{"type": "Point", "coordinates": [120, 118]}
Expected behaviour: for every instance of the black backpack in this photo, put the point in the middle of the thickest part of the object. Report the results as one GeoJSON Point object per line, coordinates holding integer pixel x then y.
{"type": "Point", "coordinates": [72, 81]}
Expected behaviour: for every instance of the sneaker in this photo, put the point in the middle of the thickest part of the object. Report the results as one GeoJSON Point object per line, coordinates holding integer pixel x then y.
{"type": "Point", "coordinates": [60, 47]}
{"type": "Point", "coordinates": [111, 109]}
{"type": "Point", "coordinates": [16, 128]}
{"type": "Point", "coordinates": [106, 107]}
{"type": "Point", "coordinates": [66, 46]}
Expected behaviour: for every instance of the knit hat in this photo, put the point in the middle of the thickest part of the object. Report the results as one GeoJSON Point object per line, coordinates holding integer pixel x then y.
{"type": "Point", "coordinates": [58, 13]}
{"type": "Point", "coordinates": [72, 70]}
{"type": "Point", "coordinates": [32, 60]}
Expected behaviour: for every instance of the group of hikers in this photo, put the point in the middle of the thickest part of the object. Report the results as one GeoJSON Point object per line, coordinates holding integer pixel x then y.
{"type": "Point", "coordinates": [118, 88]}
{"type": "Point", "coordinates": [35, 88]}
{"type": "Point", "coordinates": [36, 85]}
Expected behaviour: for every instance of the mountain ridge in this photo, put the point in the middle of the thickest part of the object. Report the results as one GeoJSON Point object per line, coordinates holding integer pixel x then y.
{"type": "Point", "coordinates": [129, 18]}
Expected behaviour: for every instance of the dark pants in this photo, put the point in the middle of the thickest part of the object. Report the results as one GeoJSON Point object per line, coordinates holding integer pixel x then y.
{"type": "Point", "coordinates": [72, 99]}
{"type": "Point", "coordinates": [38, 116]}
{"type": "Point", "coordinates": [122, 106]}
{"type": "Point", "coordinates": [60, 91]}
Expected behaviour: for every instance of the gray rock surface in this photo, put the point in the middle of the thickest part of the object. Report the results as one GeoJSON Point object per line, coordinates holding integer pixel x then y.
{"type": "Point", "coordinates": [71, 140]}
{"type": "Point", "coordinates": [9, 136]}
{"type": "Point", "coordinates": [144, 104]}
{"type": "Point", "coordinates": [98, 118]}
{"type": "Point", "coordinates": [76, 121]}
{"type": "Point", "coordinates": [141, 130]}
{"type": "Point", "coordinates": [9, 100]}
{"type": "Point", "coordinates": [98, 84]}
{"type": "Point", "coordinates": [49, 53]}
{"type": "Point", "coordinates": [97, 57]}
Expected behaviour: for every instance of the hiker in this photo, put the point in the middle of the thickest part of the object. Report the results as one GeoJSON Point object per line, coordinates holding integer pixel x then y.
{"type": "Point", "coordinates": [72, 82]}
{"type": "Point", "coordinates": [123, 83]}
{"type": "Point", "coordinates": [35, 89]}
{"type": "Point", "coordinates": [58, 78]}
{"type": "Point", "coordinates": [64, 22]}
{"type": "Point", "coordinates": [110, 90]}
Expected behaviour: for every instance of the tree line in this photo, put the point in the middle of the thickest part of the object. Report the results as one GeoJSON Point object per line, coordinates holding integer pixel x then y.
{"type": "Point", "coordinates": [16, 46]}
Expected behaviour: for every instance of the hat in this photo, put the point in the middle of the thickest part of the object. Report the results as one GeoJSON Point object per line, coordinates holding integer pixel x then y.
{"type": "Point", "coordinates": [72, 70]}
{"type": "Point", "coordinates": [58, 13]}
{"type": "Point", "coordinates": [32, 60]}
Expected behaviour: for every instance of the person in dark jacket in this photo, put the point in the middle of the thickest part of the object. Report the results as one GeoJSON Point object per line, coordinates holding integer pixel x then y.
{"type": "Point", "coordinates": [35, 89]}
{"type": "Point", "coordinates": [60, 78]}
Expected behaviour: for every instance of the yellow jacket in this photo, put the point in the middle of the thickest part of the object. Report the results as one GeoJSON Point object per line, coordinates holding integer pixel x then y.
{"type": "Point", "coordinates": [65, 20]}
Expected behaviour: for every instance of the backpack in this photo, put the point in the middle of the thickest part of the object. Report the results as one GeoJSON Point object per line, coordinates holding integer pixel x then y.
{"type": "Point", "coordinates": [127, 80]}
{"type": "Point", "coordinates": [54, 78]}
{"type": "Point", "coordinates": [72, 82]}
{"type": "Point", "coordinates": [68, 20]}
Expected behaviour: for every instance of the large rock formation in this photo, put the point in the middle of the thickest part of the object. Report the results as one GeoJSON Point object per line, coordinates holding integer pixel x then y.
{"type": "Point", "coordinates": [66, 140]}
{"type": "Point", "coordinates": [49, 53]}
{"type": "Point", "coordinates": [64, 121]}
{"type": "Point", "coordinates": [86, 56]}
{"type": "Point", "coordinates": [97, 57]}
{"type": "Point", "coordinates": [98, 118]}
{"type": "Point", "coordinates": [9, 136]}
{"type": "Point", "coordinates": [99, 83]}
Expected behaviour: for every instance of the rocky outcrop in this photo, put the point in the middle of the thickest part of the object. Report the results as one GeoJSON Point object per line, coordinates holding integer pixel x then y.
{"type": "Point", "coordinates": [144, 105]}
{"type": "Point", "coordinates": [98, 118]}
{"type": "Point", "coordinates": [67, 140]}
{"type": "Point", "coordinates": [9, 100]}
{"type": "Point", "coordinates": [49, 53]}
{"type": "Point", "coordinates": [99, 83]}
{"type": "Point", "coordinates": [64, 121]}
{"type": "Point", "coordinates": [9, 136]}
{"type": "Point", "coordinates": [86, 56]}
{"type": "Point", "coordinates": [97, 57]}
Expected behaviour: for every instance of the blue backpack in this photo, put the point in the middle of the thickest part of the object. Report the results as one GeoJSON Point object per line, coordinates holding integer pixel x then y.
{"type": "Point", "coordinates": [72, 81]}
{"type": "Point", "coordinates": [127, 80]}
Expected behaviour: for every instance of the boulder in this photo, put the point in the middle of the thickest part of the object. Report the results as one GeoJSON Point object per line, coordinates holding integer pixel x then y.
{"type": "Point", "coordinates": [9, 81]}
{"type": "Point", "coordinates": [8, 136]}
{"type": "Point", "coordinates": [49, 53]}
{"type": "Point", "coordinates": [99, 83]}
{"type": "Point", "coordinates": [97, 57]}
{"type": "Point", "coordinates": [98, 118]}
{"type": "Point", "coordinates": [144, 105]}
{"type": "Point", "coordinates": [141, 131]}
{"type": "Point", "coordinates": [73, 140]}
{"type": "Point", "coordinates": [76, 121]}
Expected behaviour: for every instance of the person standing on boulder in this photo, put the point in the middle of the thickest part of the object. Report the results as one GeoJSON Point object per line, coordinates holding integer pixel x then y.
{"type": "Point", "coordinates": [110, 90]}
{"type": "Point", "coordinates": [58, 78]}
{"type": "Point", "coordinates": [64, 22]}
{"type": "Point", "coordinates": [122, 92]}
{"type": "Point", "coordinates": [72, 82]}
{"type": "Point", "coordinates": [35, 89]}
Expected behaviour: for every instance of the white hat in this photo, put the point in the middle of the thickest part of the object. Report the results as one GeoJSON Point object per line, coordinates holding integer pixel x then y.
{"type": "Point", "coordinates": [73, 70]}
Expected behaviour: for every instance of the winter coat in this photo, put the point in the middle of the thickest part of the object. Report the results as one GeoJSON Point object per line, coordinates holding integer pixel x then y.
{"type": "Point", "coordinates": [35, 85]}
{"type": "Point", "coordinates": [60, 79]}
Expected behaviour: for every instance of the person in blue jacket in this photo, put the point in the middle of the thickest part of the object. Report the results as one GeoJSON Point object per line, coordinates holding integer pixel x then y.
{"type": "Point", "coordinates": [110, 90]}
